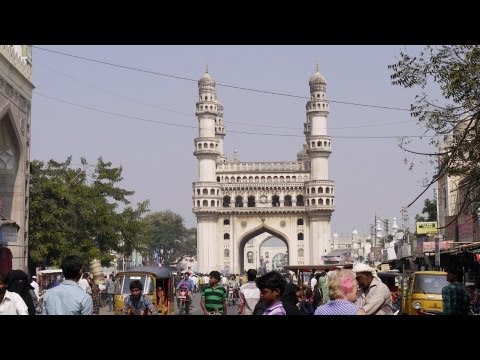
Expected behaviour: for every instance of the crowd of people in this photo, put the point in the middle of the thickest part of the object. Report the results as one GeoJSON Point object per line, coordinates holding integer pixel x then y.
{"type": "Point", "coordinates": [341, 292]}
{"type": "Point", "coordinates": [76, 294]}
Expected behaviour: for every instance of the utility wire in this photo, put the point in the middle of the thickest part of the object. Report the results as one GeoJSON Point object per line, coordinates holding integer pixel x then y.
{"type": "Point", "coordinates": [86, 83]}
{"type": "Point", "coordinates": [218, 84]}
{"type": "Point", "coordinates": [230, 131]}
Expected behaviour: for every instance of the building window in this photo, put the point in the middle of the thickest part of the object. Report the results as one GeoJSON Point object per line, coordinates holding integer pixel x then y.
{"type": "Point", "coordinates": [275, 200]}
{"type": "Point", "coordinates": [238, 201]}
{"type": "Point", "coordinates": [226, 201]}
{"type": "Point", "coordinates": [226, 236]}
{"type": "Point", "coordinates": [300, 200]}
{"type": "Point", "coordinates": [300, 222]}
{"type": "Point", "coordinates": [300, 236]}
{"type": "Point", "coordinates": [226, 222]}
{"type": "Point", "coordinates": [288, 200]}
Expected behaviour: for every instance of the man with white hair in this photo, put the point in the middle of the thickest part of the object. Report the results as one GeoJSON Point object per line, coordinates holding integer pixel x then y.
{"type": "Point", "coordinates": [374, 296]}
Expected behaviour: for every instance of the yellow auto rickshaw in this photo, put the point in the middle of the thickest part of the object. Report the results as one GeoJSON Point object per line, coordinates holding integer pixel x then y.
{"type": "Point", "coordinates": [425, 293]}
{"type": "Point", "coordinates": [157, 284]}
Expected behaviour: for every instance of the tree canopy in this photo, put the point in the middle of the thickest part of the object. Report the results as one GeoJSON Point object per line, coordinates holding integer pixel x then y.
{"type": "Point", "coordinates": [77, 211]}
{"type": "Point", "coordinates": [169, 239]}
{"type": "Point", "coordinates": [453, 120]}
{"type": "Point", "coordinates": [430, 209]}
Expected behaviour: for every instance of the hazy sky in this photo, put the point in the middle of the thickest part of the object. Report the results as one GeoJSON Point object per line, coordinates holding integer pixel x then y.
{"type": "Point", "coordinates": [157, 159]}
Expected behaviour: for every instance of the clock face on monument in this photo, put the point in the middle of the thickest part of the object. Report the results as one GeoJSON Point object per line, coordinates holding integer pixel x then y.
{"type": "Point", "coordinates": [263, 199]}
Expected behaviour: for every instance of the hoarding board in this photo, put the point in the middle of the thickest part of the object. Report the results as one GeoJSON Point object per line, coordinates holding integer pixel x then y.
{"type": "Point", "coordinates": [426, 227]}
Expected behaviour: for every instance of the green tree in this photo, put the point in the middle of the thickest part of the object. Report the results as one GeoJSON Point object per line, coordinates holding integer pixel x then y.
{"type": "Point", "coordinates": [452, 118]}
{"type": "Point", "coordinates": [430, 209]}
{"type": "Point", "coordinates": [168, 237]}
{"type": "Point", "coordinates": [76, 211]}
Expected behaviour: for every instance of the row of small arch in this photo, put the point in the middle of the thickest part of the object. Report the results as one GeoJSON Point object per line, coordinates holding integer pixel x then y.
{"type": "Point", "coordinates": [207, 98]}
{"type": "Point", "coordinates": [317, 106]}
{"type": "Point", "coordinates": [227, 222]}
{"type": "Point", "coordinates": [319, 144]}
{"type": "Point", "coordinates": [226, 253]}
{"type": "Point", "coordinates": [320, 190]}
{"type": "Point", "coordinates": [300, 236]}
{"type": "Point", "coordinates": [205, 191]}
{"type": "Point", "coordinates": [275, 201]}
{"type": "Point", "coordinates": [206, 145]}
{"type": "Point", "coordinates": [319, 95]}
{"type": "Point", "coordinates": [251, 201]}
{"type": "Point", "coordinates": [320, 202]}
{"type": "Point", "coordinates": [231, 179]}
{"type": "Point", "coordinates": [212, 108]}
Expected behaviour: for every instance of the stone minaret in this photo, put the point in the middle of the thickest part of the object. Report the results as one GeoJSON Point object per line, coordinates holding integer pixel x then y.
{"type": "Point", "coordinates": [208, 150]}
{"type": "Point", "coordinates": [319, 189]}
{"type": "Point", "coordinates": [220, 132]}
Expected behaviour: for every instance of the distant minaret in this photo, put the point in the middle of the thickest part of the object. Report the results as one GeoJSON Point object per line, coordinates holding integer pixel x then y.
{"type": "Point", "coordinates": [208, 150]}
{"type": "Point", "coordinates": [219, 129]}
{"type": "Point", "coordinates": [319, 189]}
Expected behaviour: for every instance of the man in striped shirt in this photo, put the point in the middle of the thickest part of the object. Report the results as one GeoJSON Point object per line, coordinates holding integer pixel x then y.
{"type": "Point", "coordinates": [214, 296]}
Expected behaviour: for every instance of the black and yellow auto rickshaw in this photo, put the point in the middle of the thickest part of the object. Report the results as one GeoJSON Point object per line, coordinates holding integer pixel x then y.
{"type": "Point", "coordinates": [157, 284]}
{"type": "Point", "coordinates": [425, 293]}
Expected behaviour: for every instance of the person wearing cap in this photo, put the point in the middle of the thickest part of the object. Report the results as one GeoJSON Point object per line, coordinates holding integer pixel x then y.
{"type": "Point", "coordinates": [373, 296]}
{"type": "Point", "coordinates": [454, 296]}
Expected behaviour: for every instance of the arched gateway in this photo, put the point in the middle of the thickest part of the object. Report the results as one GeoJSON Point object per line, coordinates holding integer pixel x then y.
{"type": "Point", "coordinates": [236, 201]}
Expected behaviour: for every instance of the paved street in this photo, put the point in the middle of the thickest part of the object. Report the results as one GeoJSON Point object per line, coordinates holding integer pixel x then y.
{"type": "Point", "coordinates": [232, 310]}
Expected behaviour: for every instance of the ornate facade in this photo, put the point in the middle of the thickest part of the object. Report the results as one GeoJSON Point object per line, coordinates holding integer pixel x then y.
{"type": "Point", "coordinates": [15, 115]}
{"type": "Point", "coordinates": [236, 201]}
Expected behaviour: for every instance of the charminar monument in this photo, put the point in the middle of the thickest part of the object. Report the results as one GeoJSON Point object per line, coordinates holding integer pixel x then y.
{"type": "Point", "coordinates": [237, 201]}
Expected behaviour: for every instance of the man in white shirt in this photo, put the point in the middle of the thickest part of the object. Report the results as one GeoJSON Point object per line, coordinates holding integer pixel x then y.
{"type": "Point", "coordinates": [83, 282]}
{"type": "Point", "coordinates": [374, 296]}
{"type": "Point", "coordinates": [249, 294]}
{"type": "Point", "coordinates": [10, 302]}
{"type": "Point", "coordinates": [35, 286]}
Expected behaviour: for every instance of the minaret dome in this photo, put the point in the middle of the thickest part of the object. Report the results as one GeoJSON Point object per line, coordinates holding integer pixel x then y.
{"type": "Point", "coordinates": [317, 82]}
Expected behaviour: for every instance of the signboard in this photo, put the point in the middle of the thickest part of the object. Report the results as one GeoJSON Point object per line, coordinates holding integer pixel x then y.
{"type": "Point", "coordinates": [427, 227]}
{"type": "Point", "coordinates": [429, 246]}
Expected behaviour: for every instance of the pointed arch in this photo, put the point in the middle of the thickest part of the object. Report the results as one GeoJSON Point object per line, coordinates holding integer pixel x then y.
{"type": "Point", "coordinates": [10, 141]}
{"type": "Point", "coordinates": [255, 232]}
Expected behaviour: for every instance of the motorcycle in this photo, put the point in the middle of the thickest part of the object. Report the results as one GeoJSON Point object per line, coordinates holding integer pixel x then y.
{"type": "Point", "coordinates": [183, 301]}
{"type": "Point", "coordinates": [232, 296]}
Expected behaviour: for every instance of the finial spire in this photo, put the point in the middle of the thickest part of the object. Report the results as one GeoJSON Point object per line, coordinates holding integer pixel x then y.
{"type": "Point", "coordinates": [317, 69]}
{"type": "Point", "coordinates": [206, 69]}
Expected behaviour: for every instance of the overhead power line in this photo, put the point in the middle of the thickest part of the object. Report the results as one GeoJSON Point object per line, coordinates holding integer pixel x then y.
{"type": "Point", "coordinates": [218, 84]}
{"type": "Point", "coordinates": [89, 84]}
{"type": "Point", "coordinates": [230, 131]}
